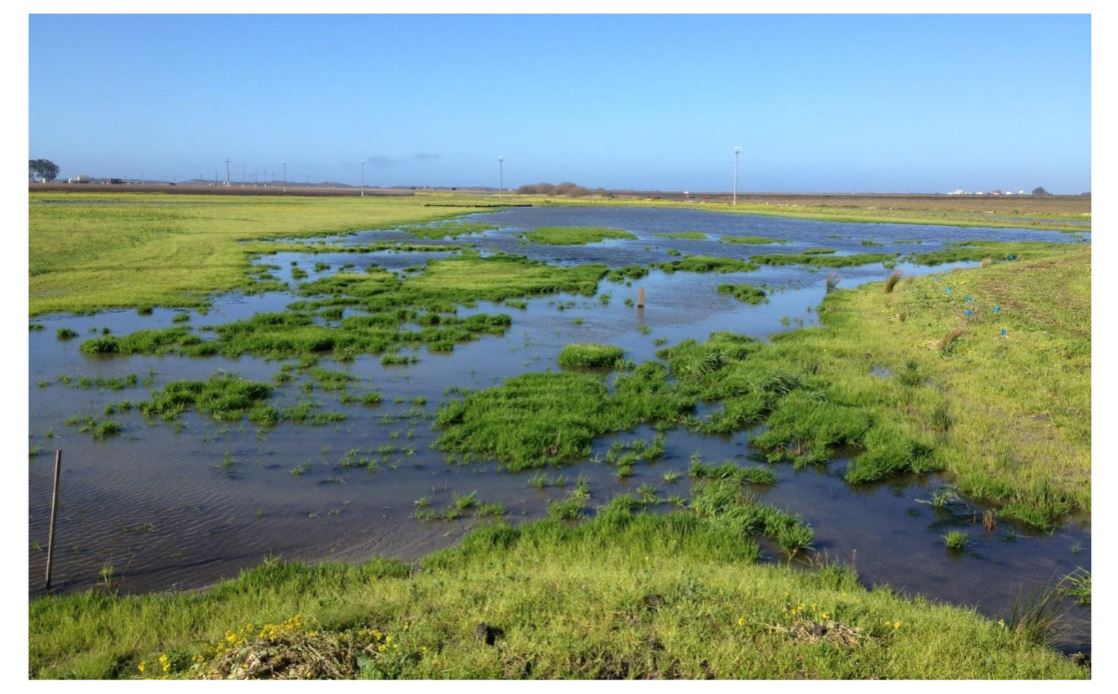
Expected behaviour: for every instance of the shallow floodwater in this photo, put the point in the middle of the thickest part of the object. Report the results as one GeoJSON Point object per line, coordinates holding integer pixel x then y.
{"type": "Point", "coordinates": [181, 507]}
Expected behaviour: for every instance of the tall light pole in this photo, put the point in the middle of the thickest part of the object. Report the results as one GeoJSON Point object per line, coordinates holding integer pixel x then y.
{"type": "Point", "coordinates": [226, 172]}
{"type": "Point", "coordinates": [500, 175]}
{"type": "Point", "coordinates": [285, 178]}
{"type": "Point", "coordinates": [737, 153]}
{"type": "Point", "coordinates": [362, 178]}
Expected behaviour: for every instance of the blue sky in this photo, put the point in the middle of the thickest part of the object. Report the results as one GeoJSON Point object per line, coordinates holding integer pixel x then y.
{"type": "Point", "coordinates": [818, 103]}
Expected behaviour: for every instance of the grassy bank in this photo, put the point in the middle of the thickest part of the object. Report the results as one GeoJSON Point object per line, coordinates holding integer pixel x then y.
{"type": "Point", "coordinates": [625, 595]}
{"type": "Point", "coordinates": [94, 251]}
{"type": "Point", "coordinates": [984, 373]}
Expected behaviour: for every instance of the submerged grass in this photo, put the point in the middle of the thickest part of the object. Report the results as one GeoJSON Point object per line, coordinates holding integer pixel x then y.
{"type": "Point", "coordinates": [676, 595]}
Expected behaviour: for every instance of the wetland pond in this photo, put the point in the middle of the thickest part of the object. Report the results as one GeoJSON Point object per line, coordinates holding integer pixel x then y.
{"type": "Point", "coordinates": [182, 505]}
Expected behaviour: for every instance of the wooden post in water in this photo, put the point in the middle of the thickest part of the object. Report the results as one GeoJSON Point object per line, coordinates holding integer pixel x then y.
{"type": "Point", "coordinates": [640, 298]}
{"type": "Point", "coordinates": [53, 513]}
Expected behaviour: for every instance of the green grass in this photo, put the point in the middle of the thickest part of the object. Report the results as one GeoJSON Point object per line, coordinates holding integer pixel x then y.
{"type": "Point", "coordinates": [625, 595]}
{"type": "Point", "coordinates": [686, 235]}
{"type": "Point", "coordinates": [745, 293]}
{"type": "Point", "coordinates": [94, 251]}
{"type": "Point", "coordinates": [541, 419]}
{"type": "Point", "coordinates": [705, 263]}
{"type": "Point", "coordinates": [383, 312]}
{"type": "Point", "coordinates": [574, 236]}
{"type": "Point", "coordinates": [442, 230]}
{"type": "Point", "coordinates": [956, 540]}
{"type": "Point", "coordinates": [750, 240]}
{"type": "Point", "coordinates": [997, 252]}
{"type": "Point", "coordinates": [821, 257]}
{"type": "Point", "coordinates": [591, 356]}
{"type": "Point", "coordinates": [1007, 415]}
{"type": "Point", "coordinates": [224, 397]}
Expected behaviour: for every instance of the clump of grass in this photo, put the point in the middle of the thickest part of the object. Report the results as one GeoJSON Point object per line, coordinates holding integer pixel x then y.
{"type": "Point", "coordinates": [65, 334]}
{"type": "Point", "coordinates": [891, 281]}
{"type": "Point", "coordinates": [448, 229]}
{"type": "Point", "coordinates": [822, 258]}
{"type": "Point", "coordinates": [746, 293]}
{"type": "Point", "coordinates": [224, 397]}
{"type": "Point", "coordinates": [590, 356]}
{"type": "Point", "coordinates": [956, 540]}
{"type": "Point", "coordinates": [686, 235]}
{"type": "Point", "coordinates": [1077, 586]}
{"type": "Point", "coordinates": [729, 470]}
{"type": "Point", "coordinates": [541, 481]}
{"type": "Point", "coordinates": [1038, 613]}
{"type": "Point", "coordinates": [459, 507]}
{"type": "Point", "coordinates": [911, 375]}
{"type": "Point", "coordinates": [832, 281]}
{"type": "Point", "coordinates": [704, 263]}
{"type": "Point", "coordinates": [750, 240]}
{"type": "Point", "coordinates": [568, 509]}
{"type": "Point", "coordinates": [573, 236]}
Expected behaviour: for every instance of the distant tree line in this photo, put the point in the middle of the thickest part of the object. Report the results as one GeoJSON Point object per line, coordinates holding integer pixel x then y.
{"type": "Point", "coordinates": [42, 169]}
{"type": "Point", "coordinates": [568, 189]}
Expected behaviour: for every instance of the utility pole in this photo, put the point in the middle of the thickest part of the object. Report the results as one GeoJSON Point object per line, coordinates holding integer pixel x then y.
{"type": "Point", "coordinates": [242, 175]}
{"type": "Point", "coordinates": [285, 178]}
{"type": "Point", "coordinates": [226, 172]}
{"type": "Point", "coordinates": [362, 178]}
{"type": "Point", "coordinates": [737, 153]}
{"type": "Point", "coordinates": [265, 178]}
{"type": "Point", "coordinates": [500, 175]}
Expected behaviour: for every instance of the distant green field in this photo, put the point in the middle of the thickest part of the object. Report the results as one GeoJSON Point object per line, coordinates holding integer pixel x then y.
{"type": "Point", "coordinates": [96, 251]}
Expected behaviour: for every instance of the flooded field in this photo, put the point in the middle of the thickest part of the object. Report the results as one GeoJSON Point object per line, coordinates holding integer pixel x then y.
{"type": "Point", "coordinates": [181, 505]}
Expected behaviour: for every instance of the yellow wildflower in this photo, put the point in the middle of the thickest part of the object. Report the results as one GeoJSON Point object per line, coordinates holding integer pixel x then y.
{"type": "Point", "coordinates": [896, 625]}
{"type": "Point", "coordinates": [143, 665]}
{"type": "Point", "coordinates": [741, 621]}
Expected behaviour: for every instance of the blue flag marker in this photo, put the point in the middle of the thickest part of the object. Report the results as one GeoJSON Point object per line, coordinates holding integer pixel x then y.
{"type": "Point", "coordinates": [947, 290]}
{"type": "Point", "coordinates": [997, 309]}
{"type": "Point", "coordinates": [1004, 332]}
{"type": "Point", "coordinates": [969, 312]}
{"type": "Point", "coordinates": [969, 298]}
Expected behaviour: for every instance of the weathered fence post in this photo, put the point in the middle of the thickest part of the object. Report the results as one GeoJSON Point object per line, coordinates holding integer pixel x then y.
{"type": "Point", "coordinates": [53, 513]}
{"type": "Point", "coordinates": [640, 298]}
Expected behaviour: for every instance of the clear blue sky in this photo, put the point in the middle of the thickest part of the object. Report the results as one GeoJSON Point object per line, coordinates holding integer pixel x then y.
{"type": "Point", "coordinates": [818, 103]}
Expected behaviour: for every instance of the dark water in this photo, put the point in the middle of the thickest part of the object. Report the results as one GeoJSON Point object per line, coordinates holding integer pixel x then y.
{"type": "Point", "coordinates": [181, 508]}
